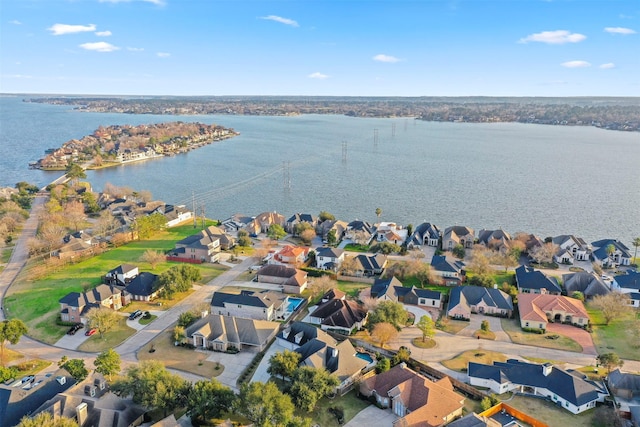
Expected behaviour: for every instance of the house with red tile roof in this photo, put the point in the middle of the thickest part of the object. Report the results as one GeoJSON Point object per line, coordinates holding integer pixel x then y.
{"type": "Point", "coordinates": [290, 256]}
{"type": "Point", "coordinates": [536, 310]}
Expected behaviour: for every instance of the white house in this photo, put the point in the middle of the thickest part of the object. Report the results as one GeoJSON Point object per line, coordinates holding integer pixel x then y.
{"type": "Point", "coordinates": [329, 258]}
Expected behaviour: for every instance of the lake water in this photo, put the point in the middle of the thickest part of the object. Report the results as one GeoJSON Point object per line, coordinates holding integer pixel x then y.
{"type": "Point", "coordinates": [547, 180]}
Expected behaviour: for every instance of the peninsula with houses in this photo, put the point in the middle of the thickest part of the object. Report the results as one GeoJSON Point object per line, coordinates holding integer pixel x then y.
{"type": "Point", "coordinates": [119, 144]}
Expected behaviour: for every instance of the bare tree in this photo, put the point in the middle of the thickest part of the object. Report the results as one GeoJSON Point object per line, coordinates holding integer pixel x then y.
{"type": "Point", "coordinates": [152, 257]}
{"type": "Point", "coordinates": [370, 303]}
{"type": "Point", "coordinates": [307, 236]}
{"type": "Point", "coordinates": [480, 260]}
{"type": "Point", "coordinates": [383, 333]}
{"type": "Point", "coordinates": [74, 214]}
{"type": "Point", "coordinates": [544, 253]}
{"type": "Point", "coordinates": [349, 266]}
{"type": "Point", "coordinates": [614, 306]}
{"type": "Point", "coordinates": [51, 235]}
{"type": "Point", "coordinates": [103, 319]}
{"type": "Point", "coordinates": [321, 285]}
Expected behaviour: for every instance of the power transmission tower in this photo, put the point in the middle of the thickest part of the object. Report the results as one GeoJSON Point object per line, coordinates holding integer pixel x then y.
{"type": "Point", "coordinates": [344, 152]}
{"type": "Point", "coordinates": [375, 138]}
{"type": "Point", "coordinates": [286, 176]}
{"type": "Point", "coordinates": [195, 214]}
{"type": "Point", "coordinates": [393, 130]}
{"type": "Point", "coordinates": [203, 216]}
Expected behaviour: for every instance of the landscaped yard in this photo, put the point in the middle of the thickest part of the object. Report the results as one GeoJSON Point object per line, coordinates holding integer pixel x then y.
{"type": "Point", "coordinates": [550, 413]}
{"type": "Point", "coordinates": [428, 343]}
{"type": "Point", "coordinates": [354, 247]}
{"type": "Point", "coordinates": [518, 336]}
{"type": "Point", "coordinates": [461, 361]}
{"type": "Point", "coordinates": [178, 357]}
{"type": "Point", "coordinates": [35, 302]}
{"type": "Point", "coordinates": [451, 326]}
{"type": "Point", "coordinates": [111, 339]}
{"type": "Point", "coordinates": [613, 338]}
{"type": "Point", "coordinates": [352, 288]}
{"type": "Point", "coordinates": [349, 403]}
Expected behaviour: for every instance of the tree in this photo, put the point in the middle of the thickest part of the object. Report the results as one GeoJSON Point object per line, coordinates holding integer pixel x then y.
{"type": "Point", "coordinates": [244, 240]}
{"type": "Point", "coordinates": [610, 249]}
{"type": "Point", "coordinates": [636, 244]}
{"type": "Point", "coordinates": [310, 385]}
{"type": "Point", "coordinates": [402, 356]}
{"type": "Point", "coordinates": [300, 227]}
{"type": "Point", "coordinates": [489, 402]}
{"type": "Point", "coordinates": [321, 285]}
{"type": "Point", "coordinates": [458, 251]}
{"type": "Point", "coordinates": [326, 216]}
{"type": "Point", "coordinates": [152, 257]}
{"type": "Point", "coordinates": [102, 319]}
{"type": "Point", "coordinates": [276, 232]}
{"type": "Point", "coordinates": [389, 312]}
{"type": "Point", "coordinates": [332, 239]}
{"type": "Point", "coordinates": [384, 332]}
{"type": "Point", "coordinates": [544, 254]}
{"type": "Point", "coordinates": [107, 363]}
{"type": "Point", "coordinates": [386, 248]}
{"type": "Point", "coordinates": [75, 172]}
{"type": "Point", "coordinates": [614, 305]}
{"type": "Point", "coordinates": [208, 399]}
{"type": "Point", "coordinates": [378, 212]}
{"type": "Point", "coordinates": [152, 386]}
{"type": "Point", "coordinates": [179, 333]}
{"type": "Point", "coordinates": [484, 326]}
{"type": "Point", "coordinates": [264, 404]}
{"type": "Point", "coordinates": [610, 361]}
{"type": "Point", "coordinates": [307, 236]}
{"type": "Point", "coordinates": [383, 365]}
{"type": "Point", "coordinates": [508, 259]}
{"type": "Point", "coordinates": [75, 367]}
{"type": "Point", "coordinates": [46, 419]}
{"type": "Point", "coordinates": [10, 331]}
{"type": "Point", "coordinates": [91, 204]}
{"type": "Point", "coordinates": [147, 225]}
{"type": "Point", "coordinates": [578, 295]}
{"type": "Point", "coordinates": [74, 215]}
{"type": "Point", "coordinates": [283, 363]}
{"type": "Point", "coordinates": [480, 263]}
{"type": "Point", "coordinates": [427, 327]}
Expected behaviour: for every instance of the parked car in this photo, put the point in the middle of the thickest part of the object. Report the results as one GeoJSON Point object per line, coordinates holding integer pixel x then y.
{"type": "Point", "coordinates": [91, 332]}
{"type": "Point", "coordinates": [75, 328]}
{"type": "Point", "coordinates": [28, 379]}
{"type": "Point", "coordinates": [135, 315]}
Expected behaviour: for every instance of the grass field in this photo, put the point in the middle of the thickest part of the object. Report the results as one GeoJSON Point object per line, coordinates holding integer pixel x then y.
{"type": "Point", "coordinates": [518, 336]}
{"type": "Point", "coordinates": [461, 361]}
{"type": "Point", "coordinates": [25, 365]}
{"type": "Point", "coordinates": [111, 339]}
{"type": "Point", "coordinates": [5, 254]}
{"type": "Point", "coordinates": [485, 335]}
{"type": "Point", "coordinates": [451, 326]}
{"type": "Point", "coordinates": [352, 288]}
{"type": "Point", "coordinates": [428, 343]}
{"type": "Point", "coordinates": [551, 414]}
{"type": "Point", "coordinates": [354, 247]}
{"type": "Point", "coordinates": [35, 302]}
{"type": "Point", "coordinates": [349, 403]}
{"type": "Point", "coordinates": [614, 337]}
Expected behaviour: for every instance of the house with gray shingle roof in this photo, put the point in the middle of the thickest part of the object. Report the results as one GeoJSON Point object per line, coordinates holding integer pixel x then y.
{"type": "Point", "coordinates": [336, 313]}
{"type": "Point", "coordinates": [532, 281]}
{"type": "Point", "coordinates": [393, 290]}
{"type": "Point", "coordinates": [494, 239]}
{"type": "Point", "coordinates": [457, 235]}
{"type": "Point", "coordinates": [425, 234]}
{"type": "Point", "coordinates": [465, 300]}
{"type": "Point", "coordinates": [571, 249]}
{"type": "Point", "coordinates": [291, 279]}
{"type": "Point", "coordinates": [265, 305]}
{"type": "Point", "coordinates": [451, 270]}
{"type": "Point", "coordinates": [75, 305]}
{"type": "Point", "coordinates": [367, 265]}
{"type": "Point", "coordinates": [590, 284]}
{"type": "Point", "coordinates": [328, 258]}
{"type": "Point", "coordinates": [620, 255]}
{"type": "Point", "coordinates": [219, 333]}
{"type": "Point", "coordinates": [143, 287]}
{"type": "Point", "coordinates": [299, 218]}
{"type": "Point", "coordinates": [569, 389]}
{"type": "Point", "coordinates": [121, 275]}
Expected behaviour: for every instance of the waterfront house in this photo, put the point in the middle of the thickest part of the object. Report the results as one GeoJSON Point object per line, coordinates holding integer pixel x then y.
{"type": "Point", "coordinates": [417, 400]}
{"type": "Point", "coordinates": [619, 255]}
{"type": "Point", "coordinates": [264, 305]}
{"type": "Point", "coordinates": [390, 232]}
{"type": "Point", "coordinates": [590, 284]}
{"type": "Point", "coordinates": [262, 222]}
{"type": "Point", "coordinates": [143, 287]}
{"type": "Point", "coordinates": [291, 280]}
{"type": "Point", "coordinates": [359, 232]}
{"type": "Point", "coordinates": [75, 305]}
{"type": "Point", "coordinates": [221, 333]}
{"type": "Point", "coordinates": [457, 235]}
{"type": "Point", "coordinates": [318, 349]}
{"type": "Point", "coordinates": [336, 313]}
{"type": "Point", "coordinates": [532, 281]}
{"type": "Point", "coordinates": [498, 240]}
{"type": "Point", "coordinates": [236, 222]}
{"type": "Point", "coordinates": [364, 265]}
{"type": "Point", "coordinates": [570, 390]}
{"type": "Point", "coordinates": [465, 300]}
{"type": "Point", "coordinates": [391, 289]}
{"type": "Point", "coordinates": [449, 269]}
{"type": "Point", "coordinates": [571, 249]}
{"type": "Point", "coordinates": [121, 275]}
{"type": "Point", "coordinates": [425, 234]}
{"type": "Point", "coordinates": [200, 247]}
{"type": "Point", "coordinates": [299, 218]}
{"type": "Point", "coordinates": [328, 258]}
{"type": "Point", "coordinates": [629, 284]}
{"type": "Point", "coordinates": [337, 226]}
{"type": "Point", "coordinates": [536, 310]}
{"type": "Point", "coordinates": [291, 256]}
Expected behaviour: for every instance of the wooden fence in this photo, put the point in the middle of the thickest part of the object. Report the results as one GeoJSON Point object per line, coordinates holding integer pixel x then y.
{"type": "Point", "coordinates": [514, 413]}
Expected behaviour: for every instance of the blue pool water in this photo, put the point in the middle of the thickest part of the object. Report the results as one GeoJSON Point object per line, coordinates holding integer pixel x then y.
{"type": "Point", "coordinates": [365, 356]}
{"type": "Point", "coordinates": [293, 304]}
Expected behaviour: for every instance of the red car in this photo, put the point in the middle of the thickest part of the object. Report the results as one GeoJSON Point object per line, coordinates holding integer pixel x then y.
{"type": "Point", "coordinates": [91, 332]}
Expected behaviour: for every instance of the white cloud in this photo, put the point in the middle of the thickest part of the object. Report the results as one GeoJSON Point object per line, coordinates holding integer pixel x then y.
{"type": "Point", "coordinates": [385, 58]}
{"type": "Point", "coordinates": [281, 20]}
{"type": "Point", "coordinates": [619, 30]}
{"type": "Point", "coordinates": [99, 47]}
{"type": "Point", "coordinates": [135, 49]}
{"type": "Point", "coordinates": [607, 66]}
{"type": "Point", "coordinates": [15, 22]}
{"type": "Point", "coordinates": [554, 37]}
{"type": "Point", "coordinates": [156, 2]}
{"type": "Point", "coordinates": [60, 29]}
{"type": "Point", "coordinates": [103, 33]}
{"type": "Point", "coordinates": [576, 64]}
{"type": "Point", "coordinates": [163, 54]}
{"type": "Point", "coordinates": [318, 75]}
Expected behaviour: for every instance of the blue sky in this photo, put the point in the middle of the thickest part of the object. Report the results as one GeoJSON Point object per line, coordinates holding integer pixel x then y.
{"type": "Point", "coordinates": [321, 47]}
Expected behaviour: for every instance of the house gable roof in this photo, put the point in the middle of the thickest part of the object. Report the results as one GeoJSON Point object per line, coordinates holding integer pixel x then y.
{"type": "Point", "coordinates": [587, 283]}
{"type": "Point", "coordinates": [474, 295]}
{"type": "Point", "coordinates": [446, 264]}
{"type": "Point", "coordinates": [529, 278]}
{"type": "Point", "coordinates": [264, 299]}
{"type": "Point", "coordinates": [629, 281]}
{"type": "Point", "coordinates": [383, 287]}
{"type": "Point", "coordinates": [142, 284]}
{"type": "Point", "coordinates": [234, 329]}
{"type": "Point", "coordinates": [329, 252]}
{"type": "Point", "coordinates": [535, 306]}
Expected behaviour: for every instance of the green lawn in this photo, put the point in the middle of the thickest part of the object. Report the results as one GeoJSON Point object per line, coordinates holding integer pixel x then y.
{"type": "Point", "coordinates": [552, 415]}
{"type": "Point", "coordinates": [111, 339]}
{"type": "Point", "coordinates": [352, 288]}
{"type": "Point", "coordinates": [349, 403]}
{"type": "Point", "coordinates": [354, 247]}
{"type": "Point", "coordinates": [614, 337]}
{"type": "Point", "coordinates": [461, 361]}
{"type": "Point", "coordinates": [144, 321]}
{"type": "Point", "coordinates": [5, 254]}
{"type": "Point", "coordinates": [451, 326]}
{"type": "Point", "coordinates": [36, 301]}
{"type": "Point", "coordinates": [518, 336]}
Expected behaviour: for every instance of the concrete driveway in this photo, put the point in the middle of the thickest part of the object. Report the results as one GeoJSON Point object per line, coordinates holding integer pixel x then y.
{"type": "Point", "coordinates": [233, 364]}
{"type": "Point", "coordinates": [494, 325]}
{"type": "Point", "coordinates": [372, 416]}
{"type": "Point", "coordinates": [71, 342]}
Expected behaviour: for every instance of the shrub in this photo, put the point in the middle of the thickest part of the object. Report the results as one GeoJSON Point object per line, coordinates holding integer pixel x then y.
{"type": "Point", "coordinates": [534, 330]}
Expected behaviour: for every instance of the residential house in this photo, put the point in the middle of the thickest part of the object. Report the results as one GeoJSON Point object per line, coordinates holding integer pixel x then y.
{"type": "Point", "coordinates": [291, 256]}
{"type": "Point", "coordinates": [475, 420]}
{"type": "Point", "coordinates": [531, 281]}
{"type": "Point", "coordinates": [299, 218]}
{"type": "Point", "coordinates": [220, 333]}
{"type": "Point", "coordinates": [620, 254]}
{"type": "Point", "coordinates": [449, 269]}
{"type": "Point", "coordinates": [386, 289]}
{"type": "Point", "coordinates": [569, 389]}
{"type": "Point", "coordinates": [176, 214]}
{"type": "Point", "coordinates": [457, 235]}
{"type": "Point", "coordinates": [262, 222]}
{"type": "Point", "coordinates": [590, 284]}
{"type": "Point", "coordinates": [328, 258]}
{"type": "Point", "coordinates": [226, 240]}
{"type": "Point", "coordinates": [359, 232]}
{"type": "Point", "coordinates": [202, 247]}
{"type": "Point", "coordinates": [365, 265]}
{"type": "Point", "coordinates": [236, 222]}
{"type": "Point", "coordinates": [91, 403]}
{"type": "Point", "coordinates": [536, 310]}
{"type": "Point", "coordinates": [498, 240]}
{"type": "Point", "coordinates": [121, 275]}
{"type": "Point", "coordinates": [417, 400]}
{"type": "Point", "coordinates": [318, 349]}
{"type": "Point", "coordinates": [571, 249]}
{"type": "Point", "coordinates": [390, 232]}
{"type": "Point", "coordinates": [292, 280]}
{"type": "Point", "coordinates": [79, 244]}
{"type": "Point", "coordinates": [425, 234]}
{"type": "Point", "coordinates": [336, 313]}
{"type": "Point", "coordinates": [337, 226]}
{"type": "Point", "coordinates": [264, 305]}
{"type": "Point", "coordinates": [623, 384]}
{"type": "Point", "coordinates": [18, 399]}
{"type": "Point", "coordinates": [143, 287]}
{"type": "Point", "coordinates": [629, 284]}
{"type": "Point", "coordinates": [464, 300]}
{"type": "Point", "coordinates": [75, 305]}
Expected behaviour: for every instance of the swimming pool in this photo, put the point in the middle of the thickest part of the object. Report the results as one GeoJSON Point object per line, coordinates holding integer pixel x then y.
{"type": "Point", "coordinates": [292, 304]}
{"type": "Point", "coordinates": [365, 356]}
